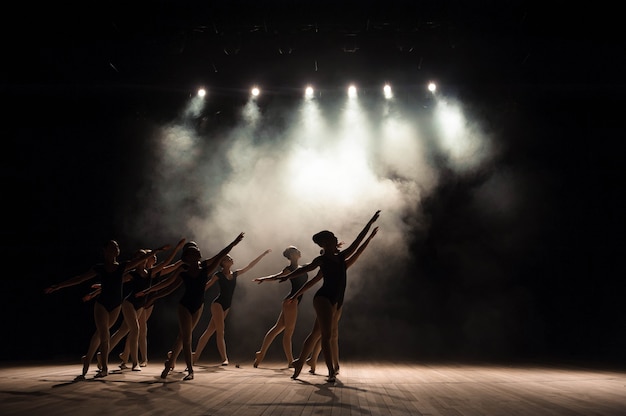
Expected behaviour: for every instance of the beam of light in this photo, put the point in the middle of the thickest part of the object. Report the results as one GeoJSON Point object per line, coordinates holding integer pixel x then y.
{"type": "Point", "coordinates": [194, 106]}
{"type": "Point", "coordinates": [464, 145]}
{"type": "Point", "coordinates": [352, 91]}
{"type": "Point", "coordinates": [432, 87]}
{"type": "Point", "coordinates": [387, 91]}
{"type": "Point", "coordinates": [255, 91]}
{"type": "Point", "coordinates": [310, 126]}
{"type": "Point", "coordinates": [402, 153]}
{"type": "Point", "coordinates": [251, 113]}
{"type": "Point", "coordinates": [309, 92]}
{"type": "Point", "coordinates": [201, 92]}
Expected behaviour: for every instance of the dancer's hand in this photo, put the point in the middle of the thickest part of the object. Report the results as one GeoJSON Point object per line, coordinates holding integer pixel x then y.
{"type": "Point", "coordinates": [238, 239]}
{"type": "Point", "coordinates": [51, 289]}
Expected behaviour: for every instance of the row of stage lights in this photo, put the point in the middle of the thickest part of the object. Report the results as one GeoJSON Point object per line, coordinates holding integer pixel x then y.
{"type": "Point", "coordinates": [309, 91]}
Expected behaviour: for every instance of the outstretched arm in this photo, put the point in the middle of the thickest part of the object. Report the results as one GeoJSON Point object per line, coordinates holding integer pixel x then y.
{"type": "Point", "coordinates": [213, 263]}
{"type": "Point", "coordinates": [309, 284]}
{"type": "Point", "coordinates": [276, 276]}
{"type": "Point", "coordinates": [167, 266]}
{"type": "Point", "coordinates": [131, 264]}
{"type": "Point", "coordinates": [90, 274]}
{"type": "Point", "coordinates": [211, 281]}
{"type": "Point", "coordinates": [253, 262]}
{"type": "Point", "coordinates": [353, 258]}
{"type": "Point", "coordinates": [97, 289]}
{"type": "Point", "coordinates": [171, 282]}
{"type": "Point", "coordinates": [351, 249]}
{"type": "Point", "coordinates": [303, 269]}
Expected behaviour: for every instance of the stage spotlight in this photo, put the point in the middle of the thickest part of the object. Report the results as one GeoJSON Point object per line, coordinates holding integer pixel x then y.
{"type": "Point", "coordinates": [387, 91]}
{"type": "Point", "coordinates": [432, 87]}
{"type": "Point", "coordinates": [201, 92]}
{"type": "Point", "coordinates": [352, 91]}
{"type": "Point", "coordinates": [308, 92]}
{"type": "Point", "coordinates": [255, 91]}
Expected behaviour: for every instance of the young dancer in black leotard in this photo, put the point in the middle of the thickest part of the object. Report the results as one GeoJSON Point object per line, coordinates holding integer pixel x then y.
{"type": "Point", "coordinates": [289, 312]}
{"type": "Point", "coordinates": [315, 338]}
{"type": "Point", "coordinates": [136, 312]}
{"type": "Point", "coordinates": [220, 306]}
{"type": "Point", "coordinates": [194, 275]}
{"type": "Point", "coordinates": [112, 275]}
{"type": "Point", "coordinates": [332, 264]}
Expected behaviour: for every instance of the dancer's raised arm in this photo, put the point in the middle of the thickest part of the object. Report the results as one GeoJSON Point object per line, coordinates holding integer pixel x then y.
{"type": "Point", "coordinates": [213, 263]}
{"type": "Point", "coordinates": [351, 249]}
{"type": "Point", "coordinates": [353, 258]}
{"type": "Point", "coordinates": [166, 266]}
{"type": "Point", "coordinates": [253, 262]}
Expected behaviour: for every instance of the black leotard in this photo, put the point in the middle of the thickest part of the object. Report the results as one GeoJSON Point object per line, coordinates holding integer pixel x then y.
{"type": "Point", "coordinates": [296, 283]}
{"type": "Point", "coordinates": [227, 289]}
{"type": "Point", "coordinates": [137, 284]}
{"type": "Point", "coordinates": [334, 286]}
{"type": "Point", "coordinates": [193, 298]}
{"type": "Point", "coordinates": [111, 286]}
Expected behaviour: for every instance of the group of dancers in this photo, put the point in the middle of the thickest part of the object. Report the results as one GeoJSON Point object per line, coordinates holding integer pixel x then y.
{"type": "Point", "coordinates": [127, 287]}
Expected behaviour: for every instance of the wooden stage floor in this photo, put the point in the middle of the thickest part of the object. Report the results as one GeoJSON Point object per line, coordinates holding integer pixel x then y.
{"type": "Point", "coordinates": [362, 388]}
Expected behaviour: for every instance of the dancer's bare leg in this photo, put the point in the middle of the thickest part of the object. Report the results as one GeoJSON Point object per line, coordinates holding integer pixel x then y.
{"type": "Point", "coordinates": [290, 314]}
{"type": "Point", "coordinates": [187, 323]}
{"type": "Point", "coordinates": [130, 318]}
{"type": "Point", "coordinates": [307, 348]}
{"type": "Point", "coordinates": [94, 344]}
{"type": "Point", "coordinates": [204, 339]}
{"type": "Point", "coordinates": [334, 340]}
{"type": "Point", "coordinates": [143, 315]}
{"type": "Point", "coordinates": [273, 332]}
{"type": "Point", "coordinates": [117, 336]}
{"type": "Point", "coordinates": [325, 315]}
{"type": "Point", "coordinates": [104, 321]}
{"type": "Point", "coordinates": [172, 355]}
{"type": "Point", "coordinates": [218, 318]}
{"type": "Point", "coordinates": [334, 344]}
{"type": "Point", "coordinates": [312, 360]}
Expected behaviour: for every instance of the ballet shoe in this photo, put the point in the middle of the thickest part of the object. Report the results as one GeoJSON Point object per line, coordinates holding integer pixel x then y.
{"type": "Point", "coordinates": [225, 362]}
{"type": "Point", "coordinates": [101, 374]}
{"type": "Point", "coordinates": [166, 370]}
{"type": "Point", "coordinates": [297, 367]}
{"type": "Point", "coordinates": [331, 379]}
{"type": "Point", "coordinates": [143, 363]}
{"type": "Point", "coordinates": [257, 361]}
{"type": "Point", "coordinates": [85, 364]}
{"type": "Point", "coordinates": [189, 376]}
{"type": "Point", "coordinates": [311, 364]}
